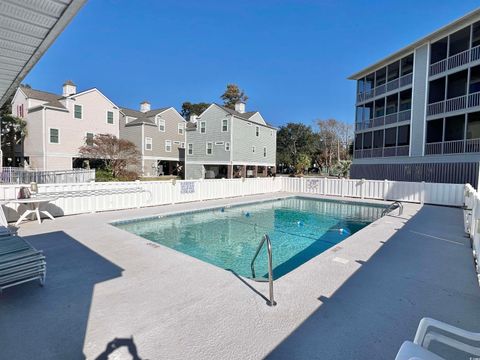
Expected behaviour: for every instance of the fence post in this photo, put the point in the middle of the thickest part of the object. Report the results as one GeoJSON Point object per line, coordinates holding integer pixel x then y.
{"type": "Point", "coordinates": [385, 189]}
{"type": "Point", "coordinates": [422, 193]}
{"type": "Point", "coordinates": [343, 187]}
{"type": "Point", "coordinates": [362, 189]}
{"type": "Point", "coordinates": [172, 191]}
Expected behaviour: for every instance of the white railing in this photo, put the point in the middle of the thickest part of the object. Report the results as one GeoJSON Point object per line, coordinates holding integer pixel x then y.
{"type": "Point", "coordinates": [93, 197]}
{"type": "Point", "coordinates": [390, 118]}
{"type": "Point", "coordinates": [15, 175]}
{"type": "Point", "coordinates": [436, 108]}
{"type": "Point", "coordinates": [471, 216]}
{"type": "Point", "coordinates": [416, 192]}
{"type": "Point", "coordinates": [456, 60]}
{"type": "Point", "coordinates": [457, 103]}
{"type": "Point", "coordinates": [404, 115]}
{"type": "Point", "coordinates": [459, 59]}
{"type": "Point", "coordinates": [438, 67]}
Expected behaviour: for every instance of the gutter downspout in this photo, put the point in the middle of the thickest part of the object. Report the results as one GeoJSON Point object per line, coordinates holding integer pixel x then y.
{"type": "Point", "coordinates": [44, 141]}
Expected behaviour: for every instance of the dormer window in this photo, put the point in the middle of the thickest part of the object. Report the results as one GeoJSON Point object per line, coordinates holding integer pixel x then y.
{"type": "Point", "coordinates": [257, 130]}
{"type": "Point", "coordinates": [180, 128]}
{"type": "Point", "coordinates": [77, 111]}
{"type": "Point", "coordinates": [224, 125]}
{"type": "Point", "coordinates": [203, 127]}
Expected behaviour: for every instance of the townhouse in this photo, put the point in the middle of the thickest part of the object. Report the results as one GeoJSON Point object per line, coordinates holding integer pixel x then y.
{"type": "Point", "coordinates": [227, 143]}
{"type": "Point", "coordinates": [160, 136]}
{"type": "Point", "coordinates": [58, 125]}
{"type": "Point", "coordinates": [418, 110]}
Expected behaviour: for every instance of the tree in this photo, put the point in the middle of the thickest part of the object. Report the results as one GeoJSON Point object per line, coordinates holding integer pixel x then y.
{"type": "Point", "coordinates": [13, 129]}
{"type": "Point", "coordinates": [232, 95]}
{"type": "Point", "coordinates": [120, 156]}
{"type": "Point", "coordinates": [292, 140]}
{"type": "Point", "coordinates": [335, 136]}
{"type": "Point", "coordinates": [189, 109]}
{"type": "Point", "coordinates": [303, 162]}
{"type": "Point", "coordinates": [342, 167]}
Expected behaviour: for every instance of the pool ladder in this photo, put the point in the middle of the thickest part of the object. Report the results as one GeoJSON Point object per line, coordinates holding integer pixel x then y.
{"type": "Point", "coordinates": [395, 205]}
{"type": "Point", "coordinates": [265, 239]}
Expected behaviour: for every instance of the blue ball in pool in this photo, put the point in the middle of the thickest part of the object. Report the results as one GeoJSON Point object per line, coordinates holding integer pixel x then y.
{"type": "Point", "coordinates": [222, 210]}
{"type": "Point", "coordinates": [247, 214]}
{"type": "Point", "coordinates": [300, 223]}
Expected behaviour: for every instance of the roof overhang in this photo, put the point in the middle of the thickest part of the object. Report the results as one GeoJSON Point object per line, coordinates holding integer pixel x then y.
{"type": "Point", "coordinates": [438, 34]}
{"type": "Point", "coordinates": [27, 29]}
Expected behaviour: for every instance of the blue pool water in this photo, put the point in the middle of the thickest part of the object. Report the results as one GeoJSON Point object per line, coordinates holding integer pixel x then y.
{"type": "Point", "coordinates": [299, 228]}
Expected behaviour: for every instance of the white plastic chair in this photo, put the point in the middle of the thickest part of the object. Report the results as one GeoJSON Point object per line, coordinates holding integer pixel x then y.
{"type": "Point", "coordinates": [433, 330]}
{"type": "Point", "coordinates": [411, 351]}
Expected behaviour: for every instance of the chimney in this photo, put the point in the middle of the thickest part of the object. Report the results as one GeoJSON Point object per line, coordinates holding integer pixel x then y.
{"type": "Point", "coordinates": [145, 106]}
{"type": "Point", "coordinates": [193, 118]}
{"type": "Point", "coordinates": [240, 107]}
{"type": "Point", "coordinates": [69, 88]}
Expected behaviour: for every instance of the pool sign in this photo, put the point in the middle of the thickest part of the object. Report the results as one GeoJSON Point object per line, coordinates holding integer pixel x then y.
{"type": "Point", "coordinates": [187, 187]}
{"type": "Point", "coordinates": [313, 185]}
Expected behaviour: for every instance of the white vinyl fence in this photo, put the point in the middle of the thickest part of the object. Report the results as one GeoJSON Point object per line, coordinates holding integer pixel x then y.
{"type": "Point", "coordinates": [77, 198]}
{"type": "Point", "coordinates": [471, 215]}
{"type": "Point", "coordinates": [92, 197]}
{"type": "Point", "coordinates": [416, 192]}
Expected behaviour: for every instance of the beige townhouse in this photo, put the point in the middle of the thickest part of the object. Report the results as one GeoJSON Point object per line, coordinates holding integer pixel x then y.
{"type": "Point", "coordinates": [58, 125]}
{"type": "Point", "coordinates": [160, 136]}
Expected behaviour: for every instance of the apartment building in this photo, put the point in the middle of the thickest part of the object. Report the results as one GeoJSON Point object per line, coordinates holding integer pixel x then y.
{"type": "Point", "coordinates": [59, 124]}
{"type": "Point", "coordinates": [159, 135]}
{"type": "Point", "coordinates": [418, 110]}
{"type": "Point", "coordinates": [227, 143]}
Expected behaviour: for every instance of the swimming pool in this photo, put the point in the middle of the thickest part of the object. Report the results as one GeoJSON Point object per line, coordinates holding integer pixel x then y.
{"type": "Point", "coordinates": [299, 228]}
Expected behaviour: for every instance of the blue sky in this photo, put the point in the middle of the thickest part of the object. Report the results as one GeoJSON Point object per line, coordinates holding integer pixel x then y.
{"type": "Point", "coordinates": [291, 57]}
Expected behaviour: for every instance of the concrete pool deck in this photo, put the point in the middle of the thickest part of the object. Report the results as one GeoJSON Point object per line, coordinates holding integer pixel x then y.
{"type": "Point", "coordinates": [358, 300]}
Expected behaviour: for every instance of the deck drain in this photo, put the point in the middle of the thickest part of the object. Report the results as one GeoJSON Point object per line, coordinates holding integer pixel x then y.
{"type": "Point", "coordinates": [340, 260]}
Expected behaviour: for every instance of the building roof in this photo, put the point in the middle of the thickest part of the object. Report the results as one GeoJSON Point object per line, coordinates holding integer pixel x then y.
{"type": "Point", "coordinates": [408, 49]}
{"type": "Point", "coordinates": [243, 116]}
{"type": "Point", "coordinates": [51, 99]}
{"type": "Point", "coordinates": [142, 117]}
{"type": "Point", "coordinates": [27, 29]}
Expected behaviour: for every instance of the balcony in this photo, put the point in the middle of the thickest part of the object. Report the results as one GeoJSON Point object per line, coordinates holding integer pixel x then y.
{"type": "Point", "coordinates": [453, 147]}
{"type": "Point", "coordinates": [385, 120]}
{"type": "Point", "coordinates": [382, 152]}
{"type": "Point", "coordinates": [455, 104]}
{"type": "Point", "coordinates": [455, 61]}
{"type": "Point", "coordinates": [405, 80]}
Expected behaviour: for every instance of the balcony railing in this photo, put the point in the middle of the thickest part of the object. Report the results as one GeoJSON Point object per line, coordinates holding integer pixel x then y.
{"type": "Point", "coordinates": [384, 120]}
{"type": "Point", "coordinates": [382, 152]}
{"type": "Point", "coordinates": [453, 147]}
{"type": "Point", "coordinates": [455, 104]}
{"type": "Point", "coordinates": [402, 81]}
{"type": "Point", "coordinates": [455, 61]}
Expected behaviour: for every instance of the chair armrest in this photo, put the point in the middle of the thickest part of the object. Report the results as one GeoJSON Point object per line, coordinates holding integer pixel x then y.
{"type": "Point", "coordinates": [425, 334]}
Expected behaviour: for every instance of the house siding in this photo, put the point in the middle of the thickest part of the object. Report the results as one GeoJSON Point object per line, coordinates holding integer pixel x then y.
{"type": "Point", "coordinates": [244, 138]}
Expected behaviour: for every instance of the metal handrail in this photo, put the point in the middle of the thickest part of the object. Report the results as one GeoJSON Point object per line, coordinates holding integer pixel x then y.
{"type": "Point", "coordinates": [392, 207]}
{"type": "Point", "coordinates": [266, 239]}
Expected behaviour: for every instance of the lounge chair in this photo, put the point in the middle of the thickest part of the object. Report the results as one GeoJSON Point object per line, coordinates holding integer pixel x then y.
{"type": "Point", "coordinates": [20, 262]}
{"type": "Point", "coordinates": [433, 330]}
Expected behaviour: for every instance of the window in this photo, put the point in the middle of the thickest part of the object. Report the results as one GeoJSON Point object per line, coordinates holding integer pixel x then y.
{"type": "Point", "coordinates": [454, 128]}
{"type": "Point", "coordinates": [253, 148]}
{"type": "Point", "coordinates": [391, 137]}
{"type": "Point", "coordinates": [224, 125]}
{"type": "Point", "coordinates": [367, 140]}
{"type": "Point", "coordinates": [403, 135]}
{"type": "Point", "coordinates": [434, 130]}
{"type": "Point", "coordinates": [203, 128]}
{"type": "Point", "coordinates": [218, 143]}
{"type": "Point", "coordinates": [358, 141]}
{"type": "Point", "coordinates": [89, 139]}
{"type": "Point", "coordinates": [168, 145]}
{"type": "Point", "coordinates": [209, 148]}
{"type": "Point", "coordinates": [257, 130]}
{"type": "Point", "coordinates": [182, 145]}
{"type": "Point", "coordinates": [264, 151]}
{"type": "Point", "coordinates": [176, 142]}
{"type": "Point", "coordinates": [378, 139]}
{"type": "Point", "coordinates": [180, 128]}
{"type": "Point", "coordinates": [190, 149]}
{"type": "Point", "coordinates": [161, 125]}
{"type": "Point", "coordinates": [148, 143]}
{"type": "Point", "coordinates": [227, 146]}
{"type": "Point", "coordinates": [109, 117]}
{"type": "Point", "coordinates": [77, 111]}
{"type": "Point", "coordinates": [54, 136]}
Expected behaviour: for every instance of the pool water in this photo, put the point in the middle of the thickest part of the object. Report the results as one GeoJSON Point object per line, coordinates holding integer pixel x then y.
{"type": "Point", "coordinates": [299, 229]}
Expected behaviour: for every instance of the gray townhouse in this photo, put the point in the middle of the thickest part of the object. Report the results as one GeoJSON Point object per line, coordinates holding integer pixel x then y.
{"type": "Point", "coordinates": [418, 110]}
{"type": "Point", "coordinates": [227, 143]}
{"type": "Point", "coordinates": [159, 135]}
